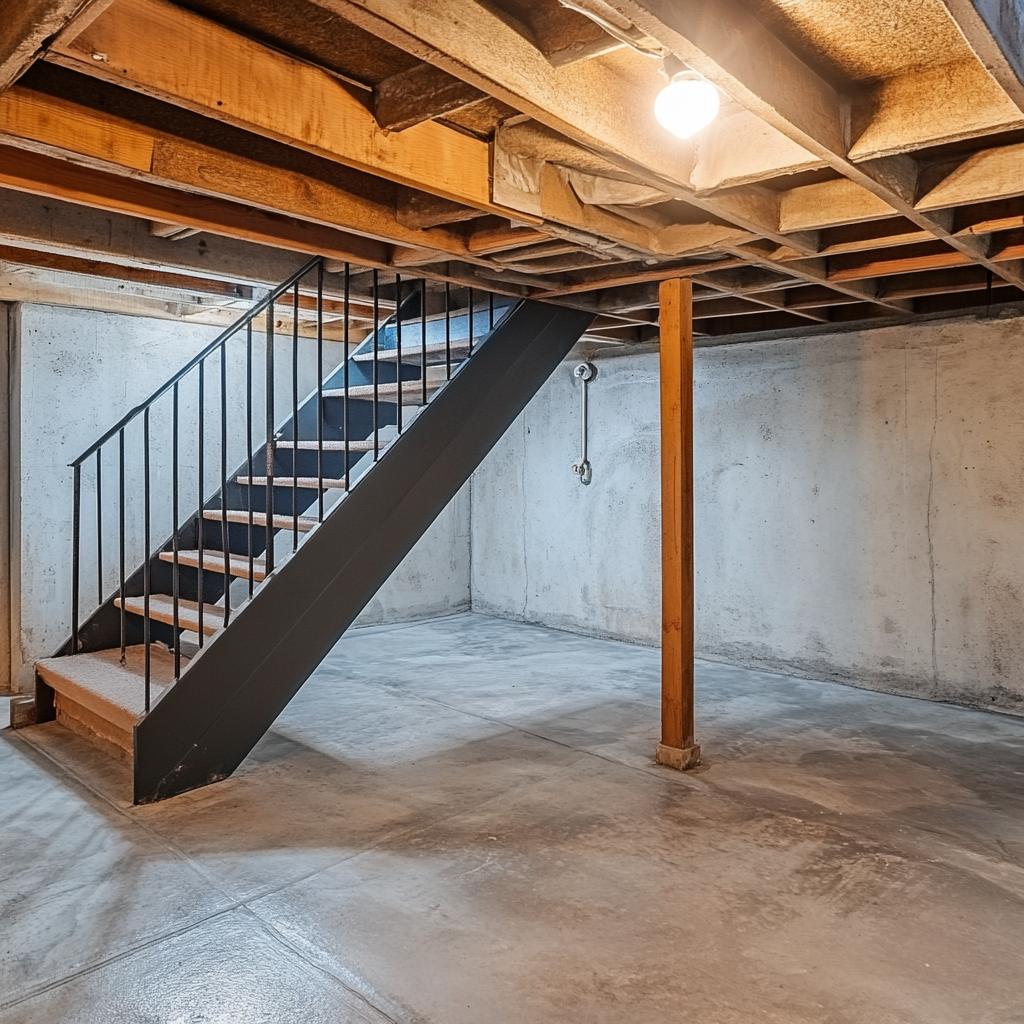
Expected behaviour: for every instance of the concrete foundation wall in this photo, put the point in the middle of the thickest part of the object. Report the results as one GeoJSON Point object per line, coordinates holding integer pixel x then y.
{"type": "Point", "coordinates": [859, 499]}
{"type": "Point", "coordinates": [6, 334]}
{"type": "Point", "coordinates": [75, 374]}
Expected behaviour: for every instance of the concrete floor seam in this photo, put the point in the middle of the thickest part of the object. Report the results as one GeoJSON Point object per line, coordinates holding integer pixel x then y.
{"type": "Point", "coordinates": [283, 941]}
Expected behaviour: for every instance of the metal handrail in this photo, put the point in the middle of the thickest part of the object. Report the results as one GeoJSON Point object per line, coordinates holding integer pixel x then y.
{"type": "Point", "coordinates": [221, 339]}
{"type": "Point", "coordinates": [407, 295]}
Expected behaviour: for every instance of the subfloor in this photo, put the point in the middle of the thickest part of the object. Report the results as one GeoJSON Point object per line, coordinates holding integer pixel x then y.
{"type": "Point", "coordinates": [458, 821]}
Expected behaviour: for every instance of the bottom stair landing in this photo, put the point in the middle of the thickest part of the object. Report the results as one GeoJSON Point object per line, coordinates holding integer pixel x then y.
{"type": "Point", "coordinates": [101, 699]}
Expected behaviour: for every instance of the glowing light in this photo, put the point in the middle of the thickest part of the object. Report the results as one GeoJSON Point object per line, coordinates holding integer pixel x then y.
{"type": "Point", "coordinates": [687, 104]}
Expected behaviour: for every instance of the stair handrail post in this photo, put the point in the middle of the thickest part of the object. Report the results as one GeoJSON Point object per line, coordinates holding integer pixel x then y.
{"type": "Point", "coordinates": [346, 338]}
{"type": "Point", "coordinates": [76, 539]}
{"type": "Point", "coordinates": [320, 391]}
{"type": "Point", "coordinates": [268, 515]}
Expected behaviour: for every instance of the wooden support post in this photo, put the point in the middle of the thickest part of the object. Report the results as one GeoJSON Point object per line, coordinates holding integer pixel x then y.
{"type": "Point", "coordinates": [677, 748]}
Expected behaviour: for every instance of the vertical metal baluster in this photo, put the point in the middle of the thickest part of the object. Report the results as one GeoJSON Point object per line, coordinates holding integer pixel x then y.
{"type": "Point", "coordinates": [175, 588]}
{"type": "Point", "coordinates": [201, 522]}
{"type": "Point", "coordinates": [269, 514]}
{"type": "Point", "coordinates": [469, 326]}
{"type": "Point", "coordinates": [146, 547]}
{"type": "Point", "coordinates": [99, 525]}
{"type": "Point", "coordinates": [423, 339]}
{"type": "Point", "coordinates": [76, 535]}
{"type": "Point", "coordinates": [398, 344]}
{"type": "Point", "coordinates": [448, 330]}
{"type": "Point", "coordinates": [320, 389]}
{"type": "Point", "coordinates": [224, 479]}
{"type": "Point", "coordinates": [295, 417]}
{"type": "Point", "coordinates": [248, 440]}
{"type": "Point", "coordinates": [120, 543]}
{"type": "Point", "coordinates": [345, 341]}
{"type": "Point", "coordinates": [376, 356]}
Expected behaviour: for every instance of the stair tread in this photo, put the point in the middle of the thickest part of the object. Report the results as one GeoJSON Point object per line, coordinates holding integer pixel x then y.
{"type": "Point", "coordinates": [213, 561]}
{"type": "Point", "coordinates": [307, 482]}
{"type": "Point", "coordinates": [161, 608]}
{"type": "Point", "coordinates": [362, 445]}
{"type": "Point", "coordinates": [98, 681]}
{"type": "Point", "coordinates": [412, 391]}
{"type": "Point", "coordinates": [412, 352]}
{"type": "Point", "coordinates": [281, 522]}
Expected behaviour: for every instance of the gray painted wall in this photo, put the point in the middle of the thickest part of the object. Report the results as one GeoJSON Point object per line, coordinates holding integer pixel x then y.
{"type": "Point", "coordinates": [859, 500]}
{"type": "Point", "coordinates": [75, 374]}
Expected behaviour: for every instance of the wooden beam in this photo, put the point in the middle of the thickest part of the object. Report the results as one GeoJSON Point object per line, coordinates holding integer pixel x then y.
{"type": "Point", "coordinates": [420, 93]}
{"type": "Point", "coordinates": [911, 260]}
{"type": "Point", "coordinates": [131, 300]}
{"type": "Point", "coordinates": [677, 748]}
{"type": "Point", "coordinates": [989, 218]}
{"type": "Point", "coordinates": [57, 126]}
{"type": "Point", "coordinates": [980, 177]}
{"type": "Point", "coordinates": [295, 103]}
{"type": "Point", "coordinates": [917, 258]}
{"type": "Point", "coordinates": [584, 102]}
{"type": "Point", "coordinates": [995, 31]}
{"type": "Point", "coordinates": [44, 176]}
{"type": "Point", "coordinates": [815, 272]}
{"type": "Point", "coordinates": [47, 225]}
{"type": "Point", "coordinates": [873, 235]}
{"type": "Point", "coordinates": [28, 25]}
{"type": "Point", "coordinates": [619, 278]}
{"type": "Point", "coordinates": [117, 272]}
{"type": "Point", "coordinates": [299, 105]}
{"type": "Point", "coordinates": [940, 282]}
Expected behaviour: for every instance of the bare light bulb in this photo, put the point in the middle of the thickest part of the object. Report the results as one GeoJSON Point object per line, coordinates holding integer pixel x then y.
{"type": "Point", "coordinates": [687, 104]}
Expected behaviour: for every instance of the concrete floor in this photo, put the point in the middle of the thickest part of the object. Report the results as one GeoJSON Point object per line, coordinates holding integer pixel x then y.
{"type": "Point", "coordinates": [458, 821]}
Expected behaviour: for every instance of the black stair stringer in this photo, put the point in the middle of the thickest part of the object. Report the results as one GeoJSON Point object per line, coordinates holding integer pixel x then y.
{"type": "Point", "coordinates": [203, 726]}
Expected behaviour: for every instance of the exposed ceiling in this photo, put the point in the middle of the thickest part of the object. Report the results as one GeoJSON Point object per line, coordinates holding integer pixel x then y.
{"type": "Point", "coordinates": [867, 166]}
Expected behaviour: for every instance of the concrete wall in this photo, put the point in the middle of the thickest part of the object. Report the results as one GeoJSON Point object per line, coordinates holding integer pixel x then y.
{"type": "Point", "coordinates": [75, 374]}
{"type": "Point", "coordinates": [6, 333]}
{"type": "Point", "coordinates": [860, 501]}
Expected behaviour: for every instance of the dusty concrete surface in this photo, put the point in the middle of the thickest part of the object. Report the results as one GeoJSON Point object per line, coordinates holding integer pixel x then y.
{"type": "Point", "coordinates": [103, 365]}
{"type": "Point", "coordinates": [458, 821]}
{"type": "Point", "coordinates": [858, 509]}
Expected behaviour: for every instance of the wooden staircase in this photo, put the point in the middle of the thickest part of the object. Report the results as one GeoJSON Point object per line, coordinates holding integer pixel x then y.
{"type": "Point", "coordinates": [188, 662]}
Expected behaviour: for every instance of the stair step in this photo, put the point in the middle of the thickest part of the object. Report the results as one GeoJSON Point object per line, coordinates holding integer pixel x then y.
{"type": "Point", "coordinates": [102, 699]}
{"type": "Point", "coordinates": [213, 561]}
{"type": "Point", "coordinates": [306, 482]}
{"type": "Point", "coordinates": [161, 608]}
{"type": "Point", "coordinates": [365, 445]}
{"type": "Point", "coordinates": [281, 522]}
{"type": "Point", "coordinates": [412, 353]}
{"type": "Point", "coordinates": [412, 391]}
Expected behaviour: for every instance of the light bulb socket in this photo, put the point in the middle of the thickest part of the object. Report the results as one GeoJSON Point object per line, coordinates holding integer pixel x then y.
{"type": "Point", "coordinates": [672, 66]}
